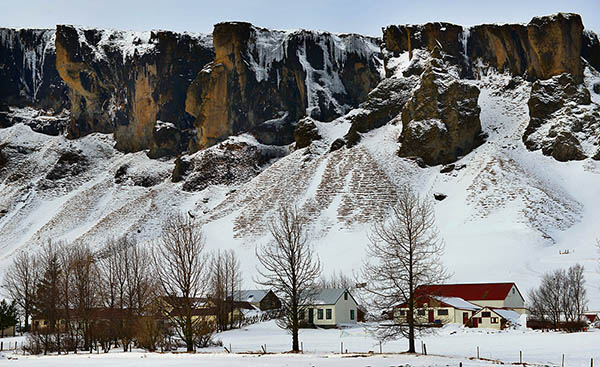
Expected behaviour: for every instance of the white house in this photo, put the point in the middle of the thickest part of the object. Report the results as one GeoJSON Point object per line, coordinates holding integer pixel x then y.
{"type": "Point", "coordinates": [330, 307]}
{"type": "Point", "coordinates": [438, 310]}
{"type": "Point", "coordinates": [494, 318]}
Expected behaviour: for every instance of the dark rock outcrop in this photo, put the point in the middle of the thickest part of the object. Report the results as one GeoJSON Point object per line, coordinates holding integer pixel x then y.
{"type": "Point", "coordinates": [590, 49]}
{"type": "Point", "coordinates": [225, 164]}
{"type": "Point", "coordinates": [383, 104]}
{"type": "Point", "coordinates": [306, 132]}
{"type": "Point", "coordinates": [562, 116]}
{"type": "Point", "coordinates": [28, 75]}
{"type": "Point", "coordinates": [441, 120]}
{"type": "Point", "coordinates": [69, 164]}
{"type": "Point", "coordinates": [262, 81]}
{"type": "Point", "coordinates": [124, 82]}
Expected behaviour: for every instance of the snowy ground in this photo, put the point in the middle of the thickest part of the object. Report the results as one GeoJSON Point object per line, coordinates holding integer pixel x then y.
{"type": "Point", "coordinates": [510, 214]}
{"type": "Point", "coordinates": [449, 346]}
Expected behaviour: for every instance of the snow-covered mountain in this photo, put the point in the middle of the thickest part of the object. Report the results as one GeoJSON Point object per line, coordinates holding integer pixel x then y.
{"type": "Point", "coordinates": [504, 129]}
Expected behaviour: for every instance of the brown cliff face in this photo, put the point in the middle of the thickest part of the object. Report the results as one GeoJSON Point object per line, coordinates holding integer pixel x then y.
{"type": "Point", "coordinates": [130, 84]}
{"type": "Point", "coordinates": [263, 81]}
{"type": "Point", "coordinates": [441, 120]}
{"type": "Point", "coordinates": [545, 47]}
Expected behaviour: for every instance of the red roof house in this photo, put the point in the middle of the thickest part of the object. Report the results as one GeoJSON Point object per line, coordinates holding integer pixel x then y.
{"type": "Point", "coordinates": [497, 295]}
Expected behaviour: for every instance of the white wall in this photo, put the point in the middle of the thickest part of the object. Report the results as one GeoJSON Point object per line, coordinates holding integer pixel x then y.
{"type": "Point", "coordinates": [342, 310]}
{"type": "Point", "coordinates": [514, 300]}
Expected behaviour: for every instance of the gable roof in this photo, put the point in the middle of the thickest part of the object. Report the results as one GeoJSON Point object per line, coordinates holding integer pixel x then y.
{"type": "Point", "coordinates": [509, 315]}
{"type": "Point", "coordinates": [329, 296]}
{"type": "Point", "coordinates": [458, 303]}
{"type": "Point", "coordinates": [252, 295]}
{"type": "Point", "coordinates": [469, 292]}
{"type": "Point", "coordinates": [453, 302]}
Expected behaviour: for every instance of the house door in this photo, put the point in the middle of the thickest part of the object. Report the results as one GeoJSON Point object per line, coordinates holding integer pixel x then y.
{"type": "Point", "coordinates": [430, 315]}
{"type": "Point", "coordinates": [310, 316]}
{"type": "Point", "coordinates": [475, 321]}
{"type": "Point", "coordinates": [465, 318]}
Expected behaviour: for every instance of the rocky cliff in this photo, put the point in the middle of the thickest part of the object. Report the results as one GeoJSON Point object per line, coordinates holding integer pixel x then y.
{"type": "Point", "coordinates": [28, 75]}
{"type": "Point", "coordinates": [545, 47]}
{"type": "Point", "coordinates": [169, 93]}
{"type": "Point", "coordinates": [132, 84]}
{"type": "Point", "coordinates": [264, 81]}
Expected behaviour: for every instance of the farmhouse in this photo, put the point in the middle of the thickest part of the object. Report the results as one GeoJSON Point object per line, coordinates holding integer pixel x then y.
{"type": "Point", "coordinates": [493, 295]}
{"type": "Point", "coordinates": [331, 307]}
{"type": "Point", "coordinates": [438, 310]}
{"type": "Point", "coordinates": [261, 299]}
{"type": "Point", "coordinates": [494, 318]}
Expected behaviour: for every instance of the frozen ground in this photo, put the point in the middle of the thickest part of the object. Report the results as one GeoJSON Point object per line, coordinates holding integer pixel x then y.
{"type": "Point", "coordinates": [449, 346]}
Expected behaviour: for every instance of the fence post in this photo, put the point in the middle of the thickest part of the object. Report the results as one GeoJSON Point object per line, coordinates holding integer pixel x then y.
{"type": "Point", "coordinates": [1, 346]}
{"type": "Point", "coordinates": [341, 347]}
{"type": "Point", "coordinates": [425, 348]}
{"type": "Point", "coordinates": [563, 361]}
{"type": "Point", "coordinates": [302, 347]}
{"type": "Point", "coordinates": [592, 363]}
{"type": "Point", "coordinates": [520, 357]}
{"type": "Point", "coordinates": [477, 352]}
{"type": "Point", "coordinates": [381, 352]}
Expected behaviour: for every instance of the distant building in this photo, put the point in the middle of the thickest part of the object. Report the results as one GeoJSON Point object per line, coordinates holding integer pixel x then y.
{"type": "Point", "coordinates": [438, 310]}
{"type": "Point", "coordinates": [331, 307]}
{"type": "Point", "coordinates": [495, 295]}
{"type": "Point", "coordinates": [479, 305]}
{"type": "Point", "coordinates": [494, 318]}
{"type": "Point", "coordinates": [261, 299]}
{"type": "Point", "coordinates": [9, 331]}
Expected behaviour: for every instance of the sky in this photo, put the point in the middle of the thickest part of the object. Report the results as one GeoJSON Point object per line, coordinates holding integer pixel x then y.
{"type": "Point", "coordinates": [365, 17]}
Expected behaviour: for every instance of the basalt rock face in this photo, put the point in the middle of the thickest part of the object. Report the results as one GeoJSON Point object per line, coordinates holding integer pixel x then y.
{"type": "Point", "coordinates": [28, 75]}
{"type": "Point", "coordinates": [441, 120]}
{"type": "Point", "coordinates": [263, 81]}
{"type": "Point", "coordinates": [131, 84]}
{"type": "Point", "coordinates": [545, 47]}
{"type": "Point", "coordinates": [564, 122]}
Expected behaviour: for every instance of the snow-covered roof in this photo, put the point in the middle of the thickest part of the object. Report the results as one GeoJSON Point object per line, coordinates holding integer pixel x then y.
{"type": "Point", "coordinates": [459, 303]}
{"type": "Point", "coordinates": [252, 295]}
{"type": "Point", "coordinates": [328, 296]}
{"type": "Point", "coordinates": [510, 315]}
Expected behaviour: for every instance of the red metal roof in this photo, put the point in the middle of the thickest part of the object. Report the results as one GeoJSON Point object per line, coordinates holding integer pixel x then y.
{"type": "Point", "coordinates": [469, 292]}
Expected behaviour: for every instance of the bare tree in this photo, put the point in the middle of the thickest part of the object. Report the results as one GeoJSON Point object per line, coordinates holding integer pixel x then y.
{"type": "Point", "coordinates": [20, 281]}
{"type": "Point", "coordinates": [182, 269]}
{"type": "Point", "coordinates": [405, 254]}
{"type": "Point", "coordinates": [225, 283]}
{"type": "Point", "coordinates": [289, 267]}
{"type": "Point", "coordinates": [338, 280]}
{"type": "Point", "coordinates": [561, 299]}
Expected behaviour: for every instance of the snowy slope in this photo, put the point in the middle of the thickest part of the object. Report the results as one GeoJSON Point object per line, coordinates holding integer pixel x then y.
{"type": "Point", "coordinates": [508, 213]}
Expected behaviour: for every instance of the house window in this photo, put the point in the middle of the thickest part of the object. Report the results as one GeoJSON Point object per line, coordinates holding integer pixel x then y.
{"type": "Point", "coordinates": [351, 314]}
{"type": "Point", "coordinates": [320, 314]}
{"type": "Point", "coordinates": [421, 312]}
{"type": "Point", "coordinates": [494, 320]}
{"type": "Point", "coordinates": [442, 312]}
{"type": "Point", "coordinates": [402, 313]}
{"type": "Point", "coordinates": [301, 315]}
{"type": "Point", "coordinates": [328, 314]}
{"type": "Point", "coordinates": [486, 314]}
{"type": "Point", "coordinates": [63, 322]}
{"type": "Point", "coordinates": [345, 296]}
{"type": "Point", "coordinates": [36, 323]}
